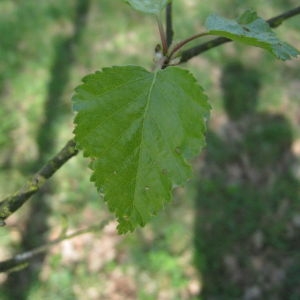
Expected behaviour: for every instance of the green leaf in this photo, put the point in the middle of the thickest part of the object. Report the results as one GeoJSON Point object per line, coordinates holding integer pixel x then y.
{"type": "Point", "coordinates": [148, 6]}
{"type": "Point", "coordinates": [139, 128]}
{"type": "Point", "coordinates": [251, 30]}
{"type": "Point", "coordinates": [247, 17]}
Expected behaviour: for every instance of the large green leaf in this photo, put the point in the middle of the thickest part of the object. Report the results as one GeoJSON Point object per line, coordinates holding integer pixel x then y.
{"type": "Point", "coordinates": [251, 30]}
{"type": "Point", "coordinates": [148, 6]}
{"type": "Point", "coordinates": [139, 128]}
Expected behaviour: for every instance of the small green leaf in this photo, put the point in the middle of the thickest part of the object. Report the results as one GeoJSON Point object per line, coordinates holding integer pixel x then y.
{"type": "Point", "coordinates": [251, 30]}
{"type": "Point", "coordinates": [139, 128]}
{"type": "Point", "coordinates": [148, 6]}
{"type": "Point", "coordinates": [247, 17]}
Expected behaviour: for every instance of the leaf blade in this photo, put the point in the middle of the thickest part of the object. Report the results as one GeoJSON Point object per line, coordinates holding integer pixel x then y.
{"type": "Point", "coordinates": [148, 6]}
{"type": "Point", "coordinates": [251, 30]}
{"type": "Point", "coordinates": [141, 132]}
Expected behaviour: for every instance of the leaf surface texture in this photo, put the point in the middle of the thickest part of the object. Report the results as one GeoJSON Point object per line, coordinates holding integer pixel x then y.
{"type": "Point", "coordinates": [140, 129]}
{"type": "Point", "coordinates": [251, 30]}
{"type": "Point", "coordinates": [148, 6]}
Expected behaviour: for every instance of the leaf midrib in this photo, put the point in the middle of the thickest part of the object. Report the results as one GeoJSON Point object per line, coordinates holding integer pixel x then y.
{"type": "Point", "coordinates": [139, 166]}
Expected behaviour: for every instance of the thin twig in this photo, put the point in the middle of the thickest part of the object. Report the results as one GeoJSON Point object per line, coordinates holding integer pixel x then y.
{"type": "Point", "coordinates": [273, 22]}
{"type": "Point", "coordinates": [169, 25]}
{"type": "Point", "coordinates": [21, 260]}
{"type": "Point", "coordinates": [184, 42]}
{"type": "Point", "coordinates": [276, 21]}
{"type": "Point", "coordinates": [12, 203]}
{"type": "Point", "coordinates": [162, 35]}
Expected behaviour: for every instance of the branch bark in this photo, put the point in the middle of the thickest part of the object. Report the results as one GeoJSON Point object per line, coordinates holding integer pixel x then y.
{"type": "Point", "coordinates": [13, 202]}
{"type": "Point", "coordinates": [21, 260]}
{"type": "Point", "coordinates": [169, 25]}
{"type": "Point", "coordinates": [194, 51]}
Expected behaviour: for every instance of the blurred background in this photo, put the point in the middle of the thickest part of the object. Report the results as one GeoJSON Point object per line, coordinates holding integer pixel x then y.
{"type": "Point", "coordinates": [232, 233]}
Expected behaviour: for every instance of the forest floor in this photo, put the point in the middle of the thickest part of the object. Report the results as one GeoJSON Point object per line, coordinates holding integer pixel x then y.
{"type": "Point", "coordinates": [232, 233]}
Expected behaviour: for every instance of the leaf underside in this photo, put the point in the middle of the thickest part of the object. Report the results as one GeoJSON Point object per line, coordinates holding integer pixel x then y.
{"type": "Point", "coordinates": [251, 30]}
{"type": "Point", "coordinates": [148, 6]}
{"type": "Point", "coordinates": [139, 128]}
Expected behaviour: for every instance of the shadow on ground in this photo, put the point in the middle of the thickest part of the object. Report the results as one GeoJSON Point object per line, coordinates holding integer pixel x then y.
{"type": "Point", "coordinates": [247, 207]}
{"type": "Point", "coordinates": [19, 284]}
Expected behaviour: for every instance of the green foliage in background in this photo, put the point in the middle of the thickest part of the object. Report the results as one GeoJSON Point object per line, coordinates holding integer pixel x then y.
{"type": "Point", "coordinates": [113, 35]}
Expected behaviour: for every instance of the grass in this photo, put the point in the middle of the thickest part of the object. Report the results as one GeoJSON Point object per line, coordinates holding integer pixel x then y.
{"type": "Point", "coordinates": [39, 67]}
